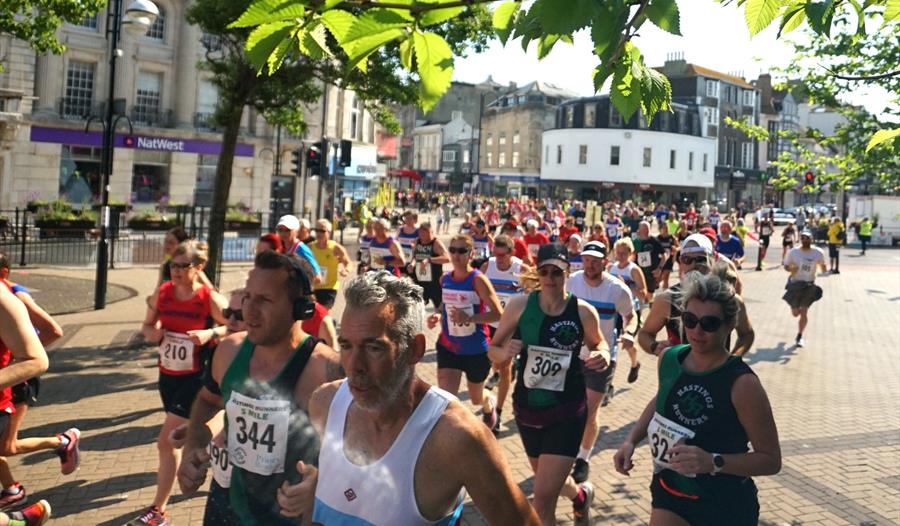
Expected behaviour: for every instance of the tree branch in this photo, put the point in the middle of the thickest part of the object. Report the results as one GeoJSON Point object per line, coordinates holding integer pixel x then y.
{"type": "Point", "coordinates": [412, 8]}
{"type": "Point", "coordinates": [880, 76]}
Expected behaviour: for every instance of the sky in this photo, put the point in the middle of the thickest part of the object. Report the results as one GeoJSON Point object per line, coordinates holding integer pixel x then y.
{"type": "Point", "coordinates": [713, 36]}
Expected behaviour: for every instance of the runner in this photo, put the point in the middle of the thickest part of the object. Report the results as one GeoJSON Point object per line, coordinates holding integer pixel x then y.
{"type": "Point", "coordinates": [427, 266]}
{"type": "Point", "coordinates": [293, 233]}
{"type": "Point", "coordinates": [696, 255]}
{"type": "Point", "coordinates": [34, 515]}
{"type": "Point", "coordinates": [402, 452]}
{"type": "Point", "coordinates": [709, 404]}
{"type": "Point", "coordinates": [503, 271]}
{"type": "Point", "coordinates": [567, 230]}
{"type": "Point", "coordinates": [520, 249]}
{"type": "Point", "coordinates": [801, 289]}
{"type": "Point", "coordinates": [836, 237]}
{"type": "Point", "coordinates": [408, 233]}
{"type": "Point", "coordinates": [729, 245]}
{"type": "Point", "coordinates": [268, 242]}
{"type": "Point", "coordinates": [547, 329]}
{"type": "Point", "coordinates": [329, 254]}
{"type": "Point", "coordinates": [384, 251]}
{"type": "Point", "coordinates": [765, 228]}
{"type": "Point", "coordinates": [534, 240]}
{"type": "Point", "coordinates": [579, 214]}
{"type": "Point", "coordinates": [667, 242]}
{"type": "Point", "coordinates": [650, 256]}
{"type": "Point", "coordinates": [468, 304]}
{"type": "Point", "coordinates": [174, 236]}
{"type": "Point", "coordinates": [483, 242]}
{"type": "Point", "coordinates": [630, 274]}
{"type": "Point", "coordinates": [787, 239]}
{"type": "Point", "coordinates": [178, 306]}
{"type": "Point", "coordinates": [614, 227]}
{"type": "Point", "coordinates": [365, 241]}
{"type": "Point", "coordinates": [263, 380]}
{"type": "Point", "coordinates": [612, 299]}
{"type": "Point", "coordinates": [465, 227]}
{"type": "Point", "coordinates": [574, 247]}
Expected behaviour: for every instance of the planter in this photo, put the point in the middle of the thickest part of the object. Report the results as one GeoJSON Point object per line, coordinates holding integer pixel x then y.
{"type": "Point", "coordinates": [246, 227]}
{"type": "Point", "coordinates": [154, 225]}
{"type": "Point", "coordinates": [64, 228]}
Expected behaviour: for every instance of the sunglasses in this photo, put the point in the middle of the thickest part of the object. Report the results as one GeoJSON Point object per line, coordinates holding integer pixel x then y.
{"type": "Point", "coordinates": [458, 250]}
{"type": "Point", "coordinates": [707, 323]}
{"type": "Point", "coordinates": [182, 266]}
{"type": "Point", "coordinates": [688, 260]}
{"type": "Point", "coordinates": [321, 230]}
{"type": "Point", "coordinates": [556, 272]}
{"type": "Point", "coordinates": [229, 312]}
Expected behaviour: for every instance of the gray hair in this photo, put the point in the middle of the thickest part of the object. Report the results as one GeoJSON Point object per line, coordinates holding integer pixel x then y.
{"type": "Point", "coordinates": [710, 287]}
{"type": "Point", "coordinates": [382, 287]}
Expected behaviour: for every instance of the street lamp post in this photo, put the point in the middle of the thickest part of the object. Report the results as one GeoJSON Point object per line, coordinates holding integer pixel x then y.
{"type": "Point", "coordinates": [139, 16]}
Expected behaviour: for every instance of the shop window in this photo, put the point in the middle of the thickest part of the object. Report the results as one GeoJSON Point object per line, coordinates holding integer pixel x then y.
{"type": "Point", "coordinates": [582, 154]}
{"type": "Point", "coordinates": [648, 154]}
{"type": "Point", "coordinates": [206, 179]}
{"type": "Point", "coordinates": [150, 176]}
{"type": "Point", "coordinates": [79, 174]}
{"type": "Point", "coordinates": [614, 152]}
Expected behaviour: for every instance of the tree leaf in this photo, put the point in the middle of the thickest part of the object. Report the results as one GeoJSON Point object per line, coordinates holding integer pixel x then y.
{"type": "Point", "coordinates": [892, 11]}
{"type": "Point", "coordinates": [657, 93]}
{"type": "Point", "coordinates": [600, 76]}
{"type": "Point", "coordinates": [406, 53]}
{"type": "Point", "coordinates": [819, 15]}
{"type": "Point", "coordinates": [276, 58]}
{"type": "Point", "coordinates": [263, 40]}
{"type": "Point", "coordinates": [338, 23]}
{"type": "Point", "coordinates": [359, 49]}
{"type": "Point", "coordinates": [664, 15]}
{"type": "Point", "coordinates": [791, 20]}
{"type": "Point", "coordinates": [434, 61]}
{"type": "Point", "coordinates": [882, 136]}
{"type": "Point", "coordinates": [503, 18]}
{"type": "Point", "coordinates": [314, 42]}
{"type": "Point", "coordinates": [625, 92]}
{"type": "Point", "coordinates": [564, 17]}
{"type": "Point", "coordinates": [545, 45]}
{"type": "Point", "coordinates": [760, 13]}
{"type": "Point", "coordinates": [375, 21]}
{"type": "Point", "coordinates": [436, 16]}
{"type": "Point", "coordinates": [265, 11]}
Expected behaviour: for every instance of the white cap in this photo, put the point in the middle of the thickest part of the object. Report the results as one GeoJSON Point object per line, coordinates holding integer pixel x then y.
{"type": "Point", "coordinates": [703, 244]}
{"type": "Point", "coordinates": [304, 223]}
{"type": "Point", "coordinates": [290, 222]}
{"type": "Point", "coordinates": [531, 223]}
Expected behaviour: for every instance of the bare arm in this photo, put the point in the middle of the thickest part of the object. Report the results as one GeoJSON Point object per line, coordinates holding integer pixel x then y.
{"type": "Point", "coordinates": [327, 332]}
{"type": "Point", "coordinates": [319, 402]}
{"type": "Point", "coordinates": [505, 330]}
{"type": "Point", "coordinates": [486, 292]}
{"type": "Point", "coordinates": [217, 303]}
{"type": "Point", "coordinates": [30, 358]}
{"type": "Point", "coordinates": [49, 330]}
{"type": "Point", "coordinates": [440, 256]}
{"type": "Point", "coordinates": [745, 331]}
{"type": "Point", "coordinates": [640, 283]}
{"type": "Point", "coordinates": [341, 254]}
{"type": "Point", "coordinates": [397, 252]}
{"type": "Point", "coordinates": [150, 328]}
{"type": "Point", "coordinates": [654, 323]}
{"type": "Point", "coordinates": [755, 414]}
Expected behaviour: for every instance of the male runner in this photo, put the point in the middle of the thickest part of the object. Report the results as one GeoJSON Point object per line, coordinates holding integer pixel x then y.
{"type": "Point", "coordinates": [263, 381]}
{"type": "Point", "coordinates": [329, 254]}
{"type": "Point", "coordinates": [534, 239]}
{"type": "Point", "coordinates": [729, 245]}
{"type": "Point", "coordinates": [650, 255]}
{"type": "Point", "coordinates": [610, 297]}
{"type": "Point", "coordinates": [801, 289]}
{"type": "Point", "coordinates": [293, 234]}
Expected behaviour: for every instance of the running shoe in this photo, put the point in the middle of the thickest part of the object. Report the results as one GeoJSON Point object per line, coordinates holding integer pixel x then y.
{"type": "Point", "coordinates": [33, 515]}
{"type": "Point", "coordinates": [583, 513]}
{"type": "Point", "coordinates": [492, 381]}
{"type": "Point", "coordinates": [491, 419]}
{"type": "Point", "coordinates": [68, 454]}
{"type": "Point", "coordinates": [633, 373]}
{"type": "Point", "coordinates": [800, 341]}
{"type": "Point", "coordinates": [13, 497]}
{"type": "Point", "coordinates": [151, 517]}
{"type": "Point", "coordinates": [581, 470]}
{"type": "Point", "coordinates": [496, 429]}
{"type": "Point", "coordinates": [610, 391]}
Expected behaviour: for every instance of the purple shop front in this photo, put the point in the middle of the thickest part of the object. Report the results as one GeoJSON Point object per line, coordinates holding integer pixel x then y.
{"type": "Point", "coordinates": [138, 142]}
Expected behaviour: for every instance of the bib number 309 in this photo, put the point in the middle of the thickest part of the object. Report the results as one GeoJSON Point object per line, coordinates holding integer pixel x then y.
{"type": "Point", "coordinates": [546, 368]}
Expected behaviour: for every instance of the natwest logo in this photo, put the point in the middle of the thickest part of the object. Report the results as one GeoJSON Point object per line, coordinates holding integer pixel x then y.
{"type": "Point", "coordinates": [157, 143]}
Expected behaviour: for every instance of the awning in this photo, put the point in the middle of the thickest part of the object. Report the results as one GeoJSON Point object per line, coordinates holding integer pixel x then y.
{"type": "Point", "coordinates": [405, 172]}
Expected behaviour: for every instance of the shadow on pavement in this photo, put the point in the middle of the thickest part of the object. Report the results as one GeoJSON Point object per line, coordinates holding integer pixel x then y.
{"type": "Point", "coordinates": [86, 425]}
{"type": "Point", "coordinates": [108, 441]}
{"type": "Point", "coordinates": [65, 389]}
{"type": "Point", "coordinates": [77, 496]}
{"type": "Point", "coordinates": [780, 354]}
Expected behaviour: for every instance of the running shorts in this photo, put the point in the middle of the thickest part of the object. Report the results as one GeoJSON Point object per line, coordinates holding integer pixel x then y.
{"type": "Point", "coordinates": [476, 366]}
{"type": "Point", "coordinates": [431, 291]}
{"type": "Point", "coordinates": [178, 392]}
{"type": "Point", "coordinates": [561, 438]}
{"type": "Point", "coordinates": [736, 501]}
{"type": "Point", "coordinates": [801, 294]}
{"type": "Point", "coordinates": [833, 250]}
{"type": "Point", "coordinates": [764, 241]}
{"type": "Point", "coordinates": [597, 381]}
{"type": "Point", "coordinates": [26, 392]}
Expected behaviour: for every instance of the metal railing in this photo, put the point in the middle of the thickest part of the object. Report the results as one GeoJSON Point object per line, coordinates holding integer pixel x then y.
{"type": "Point", "coordinates": [152, 116]}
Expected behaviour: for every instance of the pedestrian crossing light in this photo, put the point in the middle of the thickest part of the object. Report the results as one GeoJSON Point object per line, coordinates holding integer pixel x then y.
{"type": "Point", "coordinates": [810, 179]}
{"type": "Point", "coordinates": [314, 160]}
{"type": "Point", "coordinates": [295, 162]}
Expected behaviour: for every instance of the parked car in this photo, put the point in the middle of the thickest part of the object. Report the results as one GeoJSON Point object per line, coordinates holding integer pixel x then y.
{"type": "Point", "coordinates": [781, 217]}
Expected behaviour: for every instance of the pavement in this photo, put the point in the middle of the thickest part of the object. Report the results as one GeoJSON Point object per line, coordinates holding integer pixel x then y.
{"type": "Point", "coordinates": [836, 402]}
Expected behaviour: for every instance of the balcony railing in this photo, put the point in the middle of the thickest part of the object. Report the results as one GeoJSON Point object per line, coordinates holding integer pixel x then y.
{"type": "Point", "coordinates": [152, 116]}
{"type": "Point", "coordinates": [77, 109]}
{"type": "Point", "coordinates": [203, 121]}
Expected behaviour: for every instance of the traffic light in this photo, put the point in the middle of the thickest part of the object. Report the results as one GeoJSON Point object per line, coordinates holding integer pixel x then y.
{"type": "Point", "coordinates": [295, 162]}
{"type": "Point", "coordinates": [314, 160]}
{"type": "Point", "coordinates": [346, 152]}
{"type": "Point", "coordinates": [809, 179]}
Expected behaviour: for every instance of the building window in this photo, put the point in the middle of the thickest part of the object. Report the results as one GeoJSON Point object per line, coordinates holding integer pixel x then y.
{"type": "Point", "coordinates": [570, 116]}
{"type": "Point", "coordinates": [590, 115]}
{"type": "Point", "coordinates": [690, 161]}
{"type": "Point", "coordinates": [614, 156]}
{"type": "Point", "coordinates": [749, 97]}
{"type": "Point", "coordinates": [489, 141]}
{"type": "Point", "coordinates": [150, 176]}
{"type": "Point", "coordinates": [516, 137]}
{"type": "Point", "coordinates": [490, 159]}
{"type": "Point", "coordinates": [146, 107]}
{"type": "Point", "coordinates": [559, 154]}
{"type": "Point", "coordinates": [502, 141]}
{"type": "Point", "coordinates": [158, 30]}
{"type": "Point", "coordinates": [465, 156]}
{"type": "Point", "coordinates": [88, 22]}
{"type": "Point", "coordinates": [356, 117]}
{"type": "Point", "coordinates": [79, 173]}
{"type": "Point", "coordinates": [648, 152]}
{"type": "Point", "coordinates": [211, 42]}
{"type": "Point", "coordinates": [747, 154]}
{"type": "Point", "coordinates": [515, 159]}
{"type": "Point", "coordinates": [547, 154]}
{"type": "Point", "coordinates": [672, 159]}
{"type": "Point", "coordinates": [615, 118]}
{"type": "Point", "coordinates": [712, 115]}
{"type": "Point", "coordinates": [704, 161]}
{"type": "Point", "coordinates": [449, 156]}
{"type": "Point", "coordinates": [207, 99]}
{"type": "Point", "coordinates": [501, 159]}
{"type": "Point", "coordinates": [712, 88]}
{"type": "Point", "coordinates": [772, 145]}
{"type": "Point", "coordinates": [206, 179]}
{"type": "Point", "coordinates": [582, 154]}
{"type": "Point", "coordinates": [79, 90]}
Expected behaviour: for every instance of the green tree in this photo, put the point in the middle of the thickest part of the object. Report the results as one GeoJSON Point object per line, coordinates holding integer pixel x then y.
{"type": "Point", "coordinates": [294, 78]}
{"type": "Point", "coordinates": [36, 21]}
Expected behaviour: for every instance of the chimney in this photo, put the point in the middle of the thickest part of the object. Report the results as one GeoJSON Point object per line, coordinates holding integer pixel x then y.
{"type": "Point", "coordinates": [675, 64]}
{"type": "Point", "coordinates": [764, 83]}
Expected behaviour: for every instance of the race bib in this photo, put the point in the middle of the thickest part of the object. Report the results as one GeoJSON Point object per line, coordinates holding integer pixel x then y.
{"type": "Point", "coordinates": [575, 266]}
{"type": "Point", "coordinates": [789, 239]}
{"type": "Point", "coordinates": [664, 434]}
{"type": "Point", "coordinates": [766, 231]}
{"type": "Point", "coordinates": [257, 433]}
{"type": "Point", "coordinates": [423, 271]}
{"type": "Point", "coordinates": [533, 249]}
{"type": "Point", "coordinates": [220, 465]}
{"type": "Point", "coordinates": [546, 368]}
{"type": "Point", "coordinates": [461, 330]}
{"type": "Point", "coordinates": [378, 256]}
{"type": "Point", "coordinates": [643, 259]}
{"type": "Point", "coordinates": [364, 256]}
{"type": "Point", "coordinates": [612, 231]}
{"type": "Point", "coordinates": [407, 252]}
{"type": "Point", "coordinates": [176, 352]}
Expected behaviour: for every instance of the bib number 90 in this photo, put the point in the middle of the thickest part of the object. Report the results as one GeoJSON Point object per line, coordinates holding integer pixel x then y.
{"type": "Point", "coordinates": [251, 434]}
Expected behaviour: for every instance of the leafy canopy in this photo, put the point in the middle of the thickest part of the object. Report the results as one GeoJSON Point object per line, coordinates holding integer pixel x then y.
{"type": "Point", "coordinates": [36, 21]}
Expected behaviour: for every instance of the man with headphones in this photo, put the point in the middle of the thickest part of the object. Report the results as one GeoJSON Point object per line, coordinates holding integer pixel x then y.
{"type": "Point", "coordinates": [263, 380]}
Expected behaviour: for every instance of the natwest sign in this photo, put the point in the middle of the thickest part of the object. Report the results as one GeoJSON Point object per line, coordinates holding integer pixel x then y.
{"type": "Point", "coordinates": [139, 142]}
{"type": "Point", "coordinates": [159, 143]}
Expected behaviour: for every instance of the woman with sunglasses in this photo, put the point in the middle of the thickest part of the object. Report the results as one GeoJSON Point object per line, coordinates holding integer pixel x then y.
{"type": "Point", "coordinates": [547, 329]}
{"type": "Point", "coordinates": [468, 305]}
{"type": "Point", "coordinates": [708, 406]}
{"type": "Point", "coordinates": [695, 255]}
{"type": "Point", "coordinates": [176, 307]}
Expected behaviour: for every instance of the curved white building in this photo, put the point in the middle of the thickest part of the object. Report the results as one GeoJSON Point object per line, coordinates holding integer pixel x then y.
{"type": "Point", "coordinates": [594, 154]}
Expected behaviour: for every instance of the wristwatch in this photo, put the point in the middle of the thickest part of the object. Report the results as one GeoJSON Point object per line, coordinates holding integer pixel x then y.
{"type": "Point", "coordinates": [718, 463]}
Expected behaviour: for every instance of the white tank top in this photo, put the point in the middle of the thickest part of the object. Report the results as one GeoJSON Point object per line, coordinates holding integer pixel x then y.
{"type": "Point", "coordinates": [382, 492]}
{"type": "Point", "coordinates": [505, 282]}
{"type": "Point", "coordinates": [624, 274]}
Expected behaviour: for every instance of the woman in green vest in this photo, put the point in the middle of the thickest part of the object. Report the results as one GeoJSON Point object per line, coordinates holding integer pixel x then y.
{"type": "Point", "coordinates": [865, 233]}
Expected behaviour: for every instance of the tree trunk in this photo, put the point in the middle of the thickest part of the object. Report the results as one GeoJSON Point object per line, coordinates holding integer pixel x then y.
{"type": "Point", "coordinates": [232, 110]}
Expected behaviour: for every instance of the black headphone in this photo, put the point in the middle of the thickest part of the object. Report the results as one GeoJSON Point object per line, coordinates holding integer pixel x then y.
{"type": "Point", "coordinates": [304, 307]}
